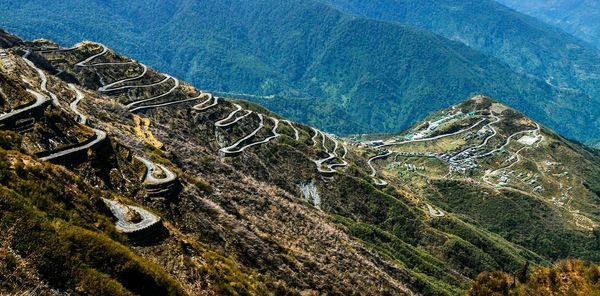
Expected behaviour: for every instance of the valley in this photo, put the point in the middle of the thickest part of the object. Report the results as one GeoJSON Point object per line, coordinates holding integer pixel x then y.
{"type": "Point", "coordinates": [204, 194]}
{"type": "Point", "coordinates": [345, 67]}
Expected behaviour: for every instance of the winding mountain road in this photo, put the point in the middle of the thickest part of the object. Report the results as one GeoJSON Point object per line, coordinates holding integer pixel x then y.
{"type": "Point", "coordinates": [484, 143]}
{"type": "Point", "coordinates": [111, 86]}
{"type": "Point", "coordinates": [296, 132]}
{"type": "Point", "coordinates": [247, 113]}
{"type": "Point", "coordinates": [151, 172]}
{"type": "Point", "coordinates": [344, 163]}
{"type": "Point", "coordinates": [58, 49]}
{"type": "Point", "coordinates": [537, 129]}
{"type": "Point", "coordinates": [517, 154]}
{"type": "Point", "coordinates": [378, 181]}
{"type": "Point", "coordinates": [39, 101]}
{"type": "Point", "coordinates": [329, 168]}
{"type": "Point", "coordinates": [86, 62]}
{"type": "Point", "coordinates": [314, 137]}
{"type": "Point", "coordinates": [111, 89]}
{"type": "Point", "coordinates": [121, 211]}
{"type": "Point", "coordinates": [43, 77]}
{"type": "Point", "coordinates": [81, 118]}
{"type": "Point", "coordinates": [434, 212]}
{"type": "Point", "coordinates": [205, 105]}
{"type": "Point", "coordinates": [98, 137]}
{"type": "Point", "coordinates": [231, 149]}
{"type": "Point", "coordinates": [330, 156]}
{"type": "Point", "coordinates": [333, 166]}
{"type": "Point", "coordinates": [114, 86]}
{"type": "Point", "coordinates": [324, 142]}
{"type": "Point", "coordinates": [432, 138]}
{"type": "Point", "coordinates": [164, 104]}
{"type": "Point", "coordinates": [155, 97]}
{"type": "Point", "coordinates": [225, 122]}
{"type": "Point", "coordinates": [370, 162]}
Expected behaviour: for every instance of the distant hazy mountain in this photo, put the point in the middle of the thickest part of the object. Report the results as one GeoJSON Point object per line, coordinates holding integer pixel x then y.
{"type": "Point", "coordinates": [523, 42]}
{"type": "Point", "coordinates": [344, 74]}
{"type": "Point", "coordinates": [578, 17]}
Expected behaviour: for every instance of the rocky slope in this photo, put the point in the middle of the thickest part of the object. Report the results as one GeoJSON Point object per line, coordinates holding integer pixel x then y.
{"type": "Point", "coordinates": [139, 181]}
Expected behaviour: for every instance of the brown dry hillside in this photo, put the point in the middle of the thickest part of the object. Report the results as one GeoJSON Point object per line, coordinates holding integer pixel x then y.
{"type": "Point", "coordinates": [568, 277]}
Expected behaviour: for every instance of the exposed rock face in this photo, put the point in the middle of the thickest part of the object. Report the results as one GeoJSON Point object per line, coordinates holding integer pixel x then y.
{"type": "Point", "coordinates": [310, 193]}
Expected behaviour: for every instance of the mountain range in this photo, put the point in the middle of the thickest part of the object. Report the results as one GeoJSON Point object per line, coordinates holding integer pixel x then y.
{"type": "Point", "coordinates": [347, 67]}
{"type": "Point", "coordinates": [119, 179]}
{"type": "Point", "coordinates": [578, 17]}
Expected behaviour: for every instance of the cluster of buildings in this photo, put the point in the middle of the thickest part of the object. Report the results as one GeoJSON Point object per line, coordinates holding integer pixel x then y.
{"type": "Point", "coordinates": [426, 130]}
{"type": "Point", "coordinates": [464, 167]}
{"type": "Point", "coordinates": [418, 154]}
{"type": "Point", "coordinates": [408, 166]}
{"type": "Point", "coordinates": [528, 179]}
{"type": "Point", "coordinates": [370, 144]}
{"type": "Point", "coordinates": [462, 162]}
{"type": "Point", "coordinates": [435, 123]}
{"type": "Point", "coordinates": [504, 179]}
{"type": "Point", "coordinates": [560, 201]}
{"type": "Point", "coordinates": [538, 189]}
{"type": "Point", "coordinates": [413, 168]}
{"type": "Point", "coordinates": [362, 143]}
{"type": "Point", "coordinates": [481, 134]}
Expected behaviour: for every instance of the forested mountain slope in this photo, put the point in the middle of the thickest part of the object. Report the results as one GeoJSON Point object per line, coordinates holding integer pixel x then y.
{"type": "Point", "coordinates": [578, 17]}
{"type": "Point", "coordinates": [305, 60]}
{"type": "Point", "coordinates": [540, 51]}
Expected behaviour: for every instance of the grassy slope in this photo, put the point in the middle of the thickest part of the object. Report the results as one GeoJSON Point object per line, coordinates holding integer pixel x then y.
{"type": "Point", "coordinates": [518, 218]}
{"type": "Point", "coordinates": [568, 277]}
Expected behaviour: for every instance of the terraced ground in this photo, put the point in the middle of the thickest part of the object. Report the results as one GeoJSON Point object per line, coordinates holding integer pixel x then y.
{"type": "Point", "coordinates": [415, 213]}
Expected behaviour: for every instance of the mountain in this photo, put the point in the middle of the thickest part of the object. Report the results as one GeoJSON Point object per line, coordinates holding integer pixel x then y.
{"type": "Point", "coordinates": [313, 63]}
{"type": "Point", "coordinates": [580, 18]}
{"type": "Point", "coordinates": [118, 179]}
{"type": "Point", "coordinates": [529, 46]}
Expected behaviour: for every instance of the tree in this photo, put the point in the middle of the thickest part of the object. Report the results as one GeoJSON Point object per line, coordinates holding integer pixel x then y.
{"type": "Point", "coordinates": [553, 278]}
{"type": "Point", "coordinates": [522, 272]}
